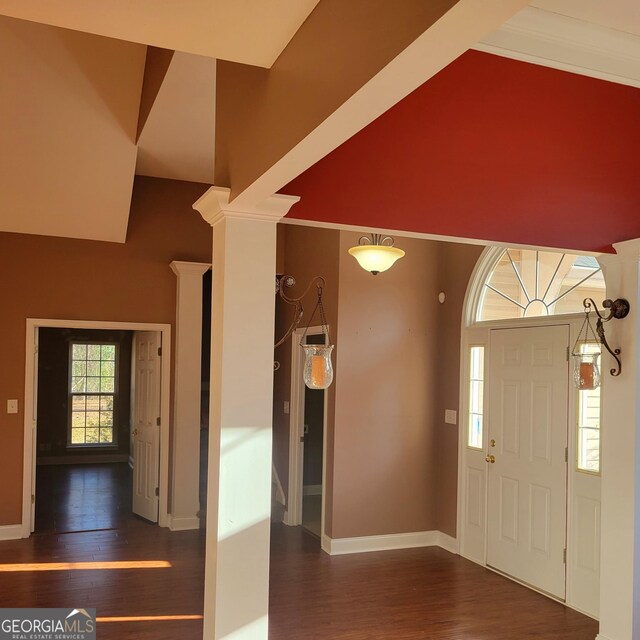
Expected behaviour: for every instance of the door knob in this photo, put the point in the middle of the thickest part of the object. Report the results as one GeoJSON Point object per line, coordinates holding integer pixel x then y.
{"type": "Point", "coordinates": [135, 432]}
{"type": "Point", "coordinates": [490, 459]}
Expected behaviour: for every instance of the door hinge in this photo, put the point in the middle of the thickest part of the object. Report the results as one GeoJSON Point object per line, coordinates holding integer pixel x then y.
{"type": "Point", "coordinates": [157, 422]}
{"type": "Point", "coordinates": [564, 555]}
{"type": "Point", "coordinates": [160, 351]}
{"type": "Point", "coordinates": [157, 492]}
{"type": "Point", "coordinates": [33, 499]}
{"type": "Point", "coordinates": [566, 454]}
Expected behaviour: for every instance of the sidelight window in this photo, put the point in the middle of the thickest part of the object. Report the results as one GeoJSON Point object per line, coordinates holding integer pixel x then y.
{"type": "Point", "coordinates": [589, 423]}
{"type": "Point", "coordinates": [476, 397]}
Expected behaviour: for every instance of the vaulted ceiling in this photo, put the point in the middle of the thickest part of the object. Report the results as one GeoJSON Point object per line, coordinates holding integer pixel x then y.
{"type": "Point", "coordinates": [245, 94]}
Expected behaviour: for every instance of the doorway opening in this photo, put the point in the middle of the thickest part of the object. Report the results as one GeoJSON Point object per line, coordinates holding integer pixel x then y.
{"type": "Point", "coordinates": [96, 425]}
{"type": "Point", "coordinates": [529, 493]}
{"type": "Point", "coordinates": [83, 426]}
{"type": "Point", "coordinates": [307, 443]}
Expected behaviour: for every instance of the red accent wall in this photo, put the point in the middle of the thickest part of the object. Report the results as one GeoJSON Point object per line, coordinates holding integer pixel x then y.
{"type": "Point", "coordinates": [491, 149]}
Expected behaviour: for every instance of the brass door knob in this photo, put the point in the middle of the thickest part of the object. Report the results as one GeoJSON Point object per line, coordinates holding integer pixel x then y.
{"type": "Point", "coordinates": [135, 432]}
{"type": "Point", "coordinates": [490, 459]}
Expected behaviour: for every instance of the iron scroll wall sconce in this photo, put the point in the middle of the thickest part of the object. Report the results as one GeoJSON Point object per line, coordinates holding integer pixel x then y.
{"type": "Point", "coordinates": [318, 369]}
{"type": "Point", "coordinates": [586, 351]}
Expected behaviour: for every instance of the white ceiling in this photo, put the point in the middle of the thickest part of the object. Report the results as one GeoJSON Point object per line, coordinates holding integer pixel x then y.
{"type": "Point", "coordinates": [69, 111]}
{"type": "Point", "coordinates": [249, 31]}
{"type": "Point", "coordinates": [177, 141]}
{"type": "Point", "coordinates": [623, 15]}
{"type": "Point", "coordinates": [597, 38]}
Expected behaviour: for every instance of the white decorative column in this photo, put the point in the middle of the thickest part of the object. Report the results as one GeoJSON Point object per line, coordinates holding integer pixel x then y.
{"type": "Point", "coordinates": [239, 494]}
{"type": "Point", "coordinates": [185, 479]}
{"type": "Point", "coordinates": [620, 461]}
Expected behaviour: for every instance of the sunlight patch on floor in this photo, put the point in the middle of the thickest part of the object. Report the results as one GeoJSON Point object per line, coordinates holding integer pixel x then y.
{"type": "Point", "coordinates": [85, 566]}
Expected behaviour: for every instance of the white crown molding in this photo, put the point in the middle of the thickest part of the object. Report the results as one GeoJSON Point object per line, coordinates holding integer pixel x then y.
{"type": "Point", "coordinates": [560, 42]}
{"type": "Point", "coordinates": [195, 268]}
{"type": "Point", "coordinates": [342, 546]}
{"type": "Point", "coordinates": [214, 206]}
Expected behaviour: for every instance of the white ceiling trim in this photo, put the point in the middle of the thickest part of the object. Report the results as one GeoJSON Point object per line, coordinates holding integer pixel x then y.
{"type": "Point", "coordinates": [560, 42]}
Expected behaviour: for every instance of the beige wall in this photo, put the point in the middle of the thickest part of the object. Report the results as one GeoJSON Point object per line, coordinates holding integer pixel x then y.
{"type": "Point", "coordinates": [391, 459]}
{"type": "Point", "coordinates": [456, 264]}
{"type": "Point", "coordinates": [304, 252]}
{"type": "Point", "coordinates": [44, 277]}
{"type": "Point", "coordinates": [385, 475]}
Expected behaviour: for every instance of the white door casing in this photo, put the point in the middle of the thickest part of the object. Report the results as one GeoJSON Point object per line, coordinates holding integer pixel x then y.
{"type": "Point", "coordinates": [527, 484]}
{"type": "Point", "coordinates": [146, 423]}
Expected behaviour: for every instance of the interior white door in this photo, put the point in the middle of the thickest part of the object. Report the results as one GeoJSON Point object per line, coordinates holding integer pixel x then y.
{"type": "Point", "coordinates": [146, 423]}
{"type": "Point", "coordinates": [527, 483]}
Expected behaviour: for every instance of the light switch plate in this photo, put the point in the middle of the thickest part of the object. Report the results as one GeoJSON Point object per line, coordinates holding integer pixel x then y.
{"type": "Point", "coordinates": [451, 416]}
{"type": "Point", "coordinates": [12, 406]}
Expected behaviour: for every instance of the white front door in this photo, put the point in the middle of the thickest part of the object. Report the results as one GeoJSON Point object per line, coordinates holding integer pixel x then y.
{"type": "Point", "coordinates": [527, 483]}
{"type": "Point", "coordinates": [146, 423]}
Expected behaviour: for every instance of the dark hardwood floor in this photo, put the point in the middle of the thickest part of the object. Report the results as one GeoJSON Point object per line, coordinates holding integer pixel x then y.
{"type": "Point", "coordinates": [423, 593]}
{"type": "Point", "coordinates": [83, 497]}
{"type": "Point", "coordinates": [404, 595]}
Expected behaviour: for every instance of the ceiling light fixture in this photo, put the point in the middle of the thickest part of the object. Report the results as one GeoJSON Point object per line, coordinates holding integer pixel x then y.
{"type": "Point", "coordinates": [376, 253]}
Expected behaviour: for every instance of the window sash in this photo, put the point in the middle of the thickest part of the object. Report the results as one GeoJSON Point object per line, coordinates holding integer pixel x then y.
{"type": "Point", "coordinates": [95, 420]}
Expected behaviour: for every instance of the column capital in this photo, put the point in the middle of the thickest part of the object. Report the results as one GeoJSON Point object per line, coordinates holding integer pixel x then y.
{"type": "Point", "coordinates": [628, 249]}
{"type": "Point", "coordinates": [214, 205]}
{"type": "Point", "coordinates": [195, 268]}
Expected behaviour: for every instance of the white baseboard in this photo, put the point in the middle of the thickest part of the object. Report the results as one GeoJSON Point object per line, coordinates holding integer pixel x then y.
{"type": "Point", "coordinates": [447, 543]}
{"type": "Point", "coordinates": [340, 546]}
{"type": "Point", "coordinates": [287, 520]}
{"type": "Point", "coordinates": [601, 637]}
{"type": "Point", "coordinates": [183, 524]}
{"type": "Point", "coordinates": [11, 532]}
{"type": "Point", "coordinates": [312, 490]}
{"type": "Point", "coordinates": [325, 543]}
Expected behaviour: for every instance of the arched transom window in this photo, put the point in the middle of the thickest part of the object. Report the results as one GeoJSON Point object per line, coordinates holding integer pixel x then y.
{"type": "Point", "coordinates": [526, 283]}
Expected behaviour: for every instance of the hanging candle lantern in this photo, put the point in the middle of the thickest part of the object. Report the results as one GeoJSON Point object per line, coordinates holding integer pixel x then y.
{"type": "Point", "coordinates": [586, 372]}
{"type": "Point", "coordinates": [586, 354]}
{"type": "Point", "coordinates": [318, 369]}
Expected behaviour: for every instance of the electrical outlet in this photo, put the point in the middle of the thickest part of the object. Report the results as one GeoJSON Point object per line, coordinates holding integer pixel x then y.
{"type": "Point", "coordinates": [450, 416]}
{"type": "Point", "coordinates": [12, 406]}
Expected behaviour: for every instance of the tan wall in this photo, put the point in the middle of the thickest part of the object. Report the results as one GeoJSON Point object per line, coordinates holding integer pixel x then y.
{"type": "Point", "coordinates": [391, 459]}
{"type": "Point", "coordinates": [384, 476]}
{"type": "Point", "coordinates": [44, 277]}
{"type": "Point", "coordinates": [456, 265]}
{"type": "Point", "coordinates": [305, 252]}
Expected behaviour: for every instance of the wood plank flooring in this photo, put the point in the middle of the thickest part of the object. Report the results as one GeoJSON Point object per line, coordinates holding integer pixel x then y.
{"type": "Point", "coordinates": [401, 595]}
{"type": "Point", "coordinates": [82, 497]}
{"type": "Point", "coordinates": [404, 595]}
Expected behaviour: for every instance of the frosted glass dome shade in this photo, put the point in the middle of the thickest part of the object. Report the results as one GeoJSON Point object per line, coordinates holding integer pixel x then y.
{"type": "Point", "coordinates": [376, 258]}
